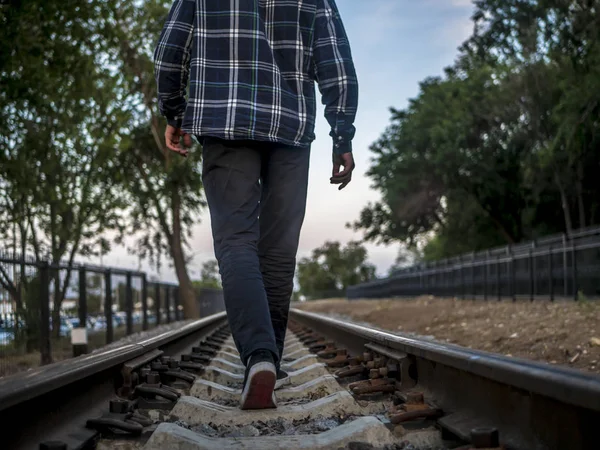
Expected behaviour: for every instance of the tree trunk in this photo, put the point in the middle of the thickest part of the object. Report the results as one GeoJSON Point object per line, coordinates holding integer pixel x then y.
{"type": "Point", "coordinates": [32, 341]}
{"type": "Point", "coordinates": [508, 237]}
{"type": "Point", "coordinates": [56, 302]}
{"type": "Point", "coordinates": [20, 281]}
{"type": "Point", "coordinates": [502, 230]}
{"type": "Point", "coordinates": [564, 201]}
{"type": "Point", "coordinates": [186, 289]}
{"type": "Point", "coordinates": [580, 202]}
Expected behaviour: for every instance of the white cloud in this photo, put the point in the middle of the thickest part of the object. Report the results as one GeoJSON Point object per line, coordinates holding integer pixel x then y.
{"type": "Point", "coordinates": [455, 32]}
{"type": "Point", "coordinates": [451, 3]}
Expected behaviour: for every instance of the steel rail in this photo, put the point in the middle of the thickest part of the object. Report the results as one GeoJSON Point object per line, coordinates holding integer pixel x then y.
{"type": "Point", "coordinates": [54, 401]}
{"type": "Point", "coordinates": [534, 405]}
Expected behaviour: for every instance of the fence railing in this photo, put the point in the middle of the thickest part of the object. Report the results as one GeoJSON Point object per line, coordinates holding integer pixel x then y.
{"type": "Point", "coordinates": [50, 312]}
{"type": "Point", "coordinates": [568, 266]}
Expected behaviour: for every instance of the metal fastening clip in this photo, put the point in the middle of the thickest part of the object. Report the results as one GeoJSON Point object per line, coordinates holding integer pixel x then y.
{"type": "Point", "coordinates": [117, 419]}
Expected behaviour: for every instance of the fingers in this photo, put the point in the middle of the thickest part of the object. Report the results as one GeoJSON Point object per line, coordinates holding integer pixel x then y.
{"type": "Point", "coordinates": [187, 140]}
{"type": "Point", "coordinates": [347, 169]}
{"type": "Point", "coordinates": [345, 176]}
{"type": "Point", "coordinates": [342, 178]}
{"type": "Point", "coordinates": [336, 169]}
{"type": "Point", "coordinates": [343, 182]}
{"type": "Point", "coordinates": [173, 141]}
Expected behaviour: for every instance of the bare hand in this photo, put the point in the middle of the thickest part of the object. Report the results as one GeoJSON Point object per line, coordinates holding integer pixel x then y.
{"type": "Point", "coordinates": [173, 140]}
{"type": "Point", "coordinates": [345, 176]}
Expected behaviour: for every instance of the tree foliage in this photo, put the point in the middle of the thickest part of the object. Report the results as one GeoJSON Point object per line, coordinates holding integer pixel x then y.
{"type": "Point", "coordinates": [209, 276]}
{"type": "Point", "coordinates": [332, 268]}
{"type": "Point", "coordinates": [166, 189]}
{"type": "Point", "coordinates": [59, 127]}
{"type": "Point", "coordinates": [502, 147]}
{"type": "Point", "coordinates": [81, 146]}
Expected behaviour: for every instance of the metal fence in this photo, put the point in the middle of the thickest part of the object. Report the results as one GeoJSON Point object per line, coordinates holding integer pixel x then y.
{"type": "Point", "coordinates": [50, 312]}
{"type": "Point", "coordinates": [210, 301]}
{"type": "Point", "coordinates": [566, 266]}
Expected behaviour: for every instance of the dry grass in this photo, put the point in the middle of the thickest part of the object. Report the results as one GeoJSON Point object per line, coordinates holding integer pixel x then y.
{"type": "Point", "coordinates": [14, 359]}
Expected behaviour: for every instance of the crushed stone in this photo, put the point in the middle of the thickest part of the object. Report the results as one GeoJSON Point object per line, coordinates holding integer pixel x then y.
{"type": "Point", "coordinates": [401, 446]}
{"type": "Point", "coordinates": [235, 402]}
{"type": "Point", "coordinates": [275, 427]}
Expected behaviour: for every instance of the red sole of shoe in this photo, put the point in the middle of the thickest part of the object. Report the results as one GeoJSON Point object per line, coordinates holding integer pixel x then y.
{"type": "Point", "coordinates": [260, 391]}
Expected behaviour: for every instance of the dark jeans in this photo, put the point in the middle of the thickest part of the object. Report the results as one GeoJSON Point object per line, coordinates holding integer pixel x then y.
{"type": "Point", "coordinates": [256, 194]}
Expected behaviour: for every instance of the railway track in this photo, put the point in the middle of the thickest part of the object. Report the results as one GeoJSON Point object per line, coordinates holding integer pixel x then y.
{"type": "Point", "coordinates": [350, 387]}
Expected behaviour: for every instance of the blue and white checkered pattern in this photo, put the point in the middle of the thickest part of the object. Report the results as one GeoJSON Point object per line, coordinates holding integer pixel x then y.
{"type": "Point", "coordinates": [252, 67]}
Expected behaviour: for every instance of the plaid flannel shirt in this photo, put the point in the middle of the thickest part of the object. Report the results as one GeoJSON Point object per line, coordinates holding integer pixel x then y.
{"type": "Point", "coordinates": [252, 65]}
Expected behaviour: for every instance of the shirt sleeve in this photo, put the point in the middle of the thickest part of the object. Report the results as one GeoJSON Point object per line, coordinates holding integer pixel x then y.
{"type": "Point", "coordinates": [171, 60]}
{"type": "Point", "coordinates": [335, 74]}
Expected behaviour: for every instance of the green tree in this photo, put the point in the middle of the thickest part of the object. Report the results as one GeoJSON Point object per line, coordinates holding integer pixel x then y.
{"type": "Point", "coordinates": [332, 268]}
{"type": "Point", "coordinates": [209, 276]}
{"type": "Point", "coordinates": [502, 148]}
{"type": "Point", "coordinates": [166, 189]}
{"type": "Point", "coordinates": [58, 129]}
{"type": "Point", "coordinates": [81, 140]}
{"type": "Point", "coordinates": [554, 44]}
{"type": "Point", "coordinates": [445, 153]}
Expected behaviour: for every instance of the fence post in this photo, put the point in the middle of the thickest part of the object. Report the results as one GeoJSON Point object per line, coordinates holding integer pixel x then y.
{"type": "Point", "coordinates": [565, 281]}
{"type": "Point", "coordinates": [437, 279]}
{"type": "Point", "coordinates": [574, 274]}
{"type": "Point", "coordinates": [512, 277]}
{"type": "Point", "coordinates": [498, 290]}
{"type": "Point", "coordinates": [177, 304]}
{"type": "Point", "coordinates": [485, 275]}
{"type": "Point", "coordinates": [551, 274]}
{"type": "Point", "coordinates": [451, 279]}
{"type": "Point", "coordinates": [144, 302]}
{"type": "Point", "coordinates": [128, 304]}
{"type": "Point", "coordinates": [174, 302]}
{"type": "Point", "coordinates": [82, 297]}
{"type": "Point", "coordinates": [45, 346]}
{"type": "Point", "coordinates": [157, 302]}
{"type": "Point", "coordinates": [108, 305]}
{"type": "Point", "coordinates": [79, 335]}
{"type": "Point", "coordinates": [447, 279]}
{"type": "Point", "coordinates": [462, 277]}
{"type": "Point", "coordinates": [531, 276]}
{"type": "Point", "coordinates": [168, 302]}
{"type": "Point", "coordinates": [442, 285]}
{"type": "Point", "coordinates": [433, 285]}
{"type": "Point", "coordinates": [473, 291]}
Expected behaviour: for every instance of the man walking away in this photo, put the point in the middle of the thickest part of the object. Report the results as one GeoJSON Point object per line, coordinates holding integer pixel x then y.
{"type": "Point", "coordinates": [251, 66]}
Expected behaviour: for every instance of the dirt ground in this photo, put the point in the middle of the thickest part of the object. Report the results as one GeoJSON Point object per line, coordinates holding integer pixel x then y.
{"type": "Point", "coordinates": [14, 359]}
{"type": "Point", "coordinates": [564, 333]}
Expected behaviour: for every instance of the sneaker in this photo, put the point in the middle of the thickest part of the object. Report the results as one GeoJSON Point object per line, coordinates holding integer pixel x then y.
{"type": "Point", "coordinates": [259, 382]}
{"type": "Point", "coordinates": [283, 379]}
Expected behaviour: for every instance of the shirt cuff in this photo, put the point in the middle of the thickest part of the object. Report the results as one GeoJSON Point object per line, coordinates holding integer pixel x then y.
{"type": "Point", "coordinates": [340, 147]}
{"type": "Point", "coordinates": [174, 122]}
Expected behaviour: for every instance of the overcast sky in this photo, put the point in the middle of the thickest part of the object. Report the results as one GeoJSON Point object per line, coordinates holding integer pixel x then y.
{"type": "Point", "coordinates": [395, 44]}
